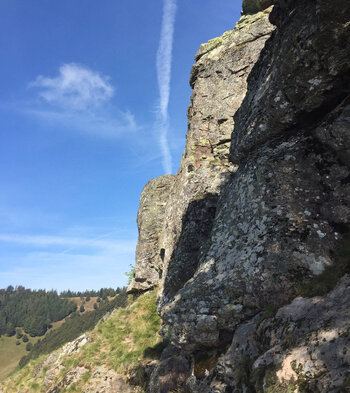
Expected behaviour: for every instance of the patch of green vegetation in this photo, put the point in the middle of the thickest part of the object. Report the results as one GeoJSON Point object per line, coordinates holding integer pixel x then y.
{"type": "Point", "coordinates": [201, 196]}
{"type": "Point", "coordinates": [127, 339]}
{"type": "Point", "coordinates": [131, 273]}
{"type": "Point", "coordinates": [211, 45]}
{"type": "Point", "coordinates": [268, 311]}
{"type": "Point", "coordinates": [10, 354]}
{"type": "Point", "coordinates": [33, 310]}
{"type": "Point", "coordinates": [74, 326]}
{"type": "Point", "coordinates": [264, 380]}
{"type": "Point", "coordinates": [327, 280]}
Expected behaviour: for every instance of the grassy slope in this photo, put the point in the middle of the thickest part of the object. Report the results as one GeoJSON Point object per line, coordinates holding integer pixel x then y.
{"type": "Point", "coordinates": [10, 353]}
{"type": "Point", "coordinates": [120, 343]}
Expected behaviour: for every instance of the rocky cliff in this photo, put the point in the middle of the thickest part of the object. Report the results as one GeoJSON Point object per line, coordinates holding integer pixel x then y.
{"type": "Point", "coordinates": [150, 218]}
{"type": "Point", "coordinates": [249, 244]}
{"type": "Point", "coordinates": [255, 242]}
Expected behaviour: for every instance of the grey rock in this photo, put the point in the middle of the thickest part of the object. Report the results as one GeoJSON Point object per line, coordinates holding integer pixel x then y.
{"type": "Point", "coordinates": [171, 372]}
{"type": "Point", "coordinates": [302, 74]}
{"type": "Point", "coordinates": [305, 345]}
{"type": "Point", "coordinates": [150, 218]}
{"type": "Point", "coordinates": [269, 235]}
{"type": "Point", "coordinates": [279, 220]}
{"type": "Point", "coordinates": [219, 81]}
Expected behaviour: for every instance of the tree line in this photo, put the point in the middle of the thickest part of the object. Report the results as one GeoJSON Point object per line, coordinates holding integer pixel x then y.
{"type": "Point", "coordinates": [33, 310]}
{"type": "Point", "coordinates": [101, 293]}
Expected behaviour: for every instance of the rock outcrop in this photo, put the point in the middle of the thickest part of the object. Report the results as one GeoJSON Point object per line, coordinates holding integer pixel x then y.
{"type": "Point", "coordinates": [150, 219]}
{"type": "Point", "coordinates": [250, 242]}
{"type": "Point", "coordinates": [259, 212]}
{"type": "Point", "coordinates": [303, 348]}
{"type": "Point", "coordinates": [219, 82]}
{"type": "Point", "coordinates": [101, 379]}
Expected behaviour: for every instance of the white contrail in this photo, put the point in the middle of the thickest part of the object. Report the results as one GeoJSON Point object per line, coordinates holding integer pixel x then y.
{"type": "Point", "coordinates": [164, 56]}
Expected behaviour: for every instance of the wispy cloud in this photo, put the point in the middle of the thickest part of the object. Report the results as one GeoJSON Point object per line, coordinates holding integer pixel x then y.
{"type": "Point", "coordinates": [164, 56]}
{"type": "Point", "coordinates": [76, 87]}
{"type": "Point", "coordinates": [79, 98]}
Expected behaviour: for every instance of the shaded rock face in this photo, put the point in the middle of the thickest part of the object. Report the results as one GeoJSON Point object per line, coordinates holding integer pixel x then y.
{"type": "Point", "coordinates": [171, 373]}
{"type": "Point", "coordinates": [245, 238]}
{"type": "Point", "coordinates": [253, 6]}
{"type": "Point", "coordinates": [305, 347]}
{"type": "Point", "coordinates": [302, 75]}
{"type": "Point", "coordinates": [150, 218]}
{"type": "Point", "coordinates": [219, 81]}
{"type": "Point", "coordinates": [260, 208]}
{"type": "Point", "coordinates": [280, 218]}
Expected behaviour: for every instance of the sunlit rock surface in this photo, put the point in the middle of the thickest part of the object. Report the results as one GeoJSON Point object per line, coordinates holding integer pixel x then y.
{"type": "Point", "coordinates": [150, 218]}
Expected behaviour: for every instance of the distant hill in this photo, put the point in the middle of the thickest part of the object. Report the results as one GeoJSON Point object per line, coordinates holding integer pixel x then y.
{"type": "Point", "coordinates": [36, 322]}
{"type": "Point", "coordinates": [35, 311]}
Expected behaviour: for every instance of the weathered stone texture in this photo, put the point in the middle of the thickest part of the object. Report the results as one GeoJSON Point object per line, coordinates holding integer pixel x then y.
{"type": "Point", "coordinates": [305, 347]}
{"type": "Point", "coordinates": [219, 81]}
{"type": "Point", "coordinates": [281, 217]}
{"type": "Point", "coordinates": [303, 73]}
{"type": "Point", "coordinates": [269, 234]}
{"type": "Point", "coordinates": [150, 219]}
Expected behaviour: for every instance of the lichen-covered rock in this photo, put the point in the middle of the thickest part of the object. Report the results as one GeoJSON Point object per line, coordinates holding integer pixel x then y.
{"type": "Point", "coordinates": [305, 347]}
{"type": "Point", "coordinates": [303, 73]}
{"type": "Point", "coordinates": [281, 218]}
{"type": "Point", "coordinates": [104, 380]}
{"type": "Point", "coordinates": [150, 219]}
{"type": "Point", "coordinates": [219, 81]}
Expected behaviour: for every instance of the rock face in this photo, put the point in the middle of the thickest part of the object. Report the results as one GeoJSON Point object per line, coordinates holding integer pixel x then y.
{"type": "Point", "coordinates": [254, 6]}
{"type": "Point", "coordinates": [305, 347]}
{"type": "Point", "coordinates": [259, 212]}
{"type": "Point", "coordinates": [150, 218]}
{"type": "Point", "coordinates": [219, 81]}
{"type": "Point", "coordinates": [250, 242]}
{"type": "Point", "coordinates": [279, 218]}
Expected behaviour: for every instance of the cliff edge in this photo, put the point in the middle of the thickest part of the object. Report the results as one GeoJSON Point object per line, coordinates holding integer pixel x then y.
{"type": "Point", "coordinates": [247, 248]}
{"type": "Point", "coordinates": [256, 229]}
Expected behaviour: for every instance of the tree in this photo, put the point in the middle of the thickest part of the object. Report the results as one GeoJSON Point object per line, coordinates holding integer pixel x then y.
{"type": "Point", "coordinates": [29, 347]}
{"type": "Point", "coordinates": [95, 306]}
{"type": "Point", "coordinates": [2, 324]}
{"type": "Point", "coordinates": [82, 308]}
{"type": "Point", "coordinates": [25, 338]}
{"type": "Point", "coordinates": [130, 274]}
{"type": "Point", "coordinates": [10, 329]}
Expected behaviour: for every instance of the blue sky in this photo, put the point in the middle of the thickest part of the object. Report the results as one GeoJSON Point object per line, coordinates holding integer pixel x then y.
{"type": "Point", "coordinates": [93, 104]}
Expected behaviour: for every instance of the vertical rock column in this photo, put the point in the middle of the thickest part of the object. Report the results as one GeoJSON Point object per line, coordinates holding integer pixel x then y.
{"type": "Point", "coordinates": [219, 82]}
{"type": "Point", "coordinates": [150, 217]}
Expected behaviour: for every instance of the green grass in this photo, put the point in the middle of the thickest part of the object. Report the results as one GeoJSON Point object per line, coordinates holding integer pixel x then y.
{"type": "Point", "coordinates": [10, 354]}
{"type": "Point", "coordinates": [126, 340]}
